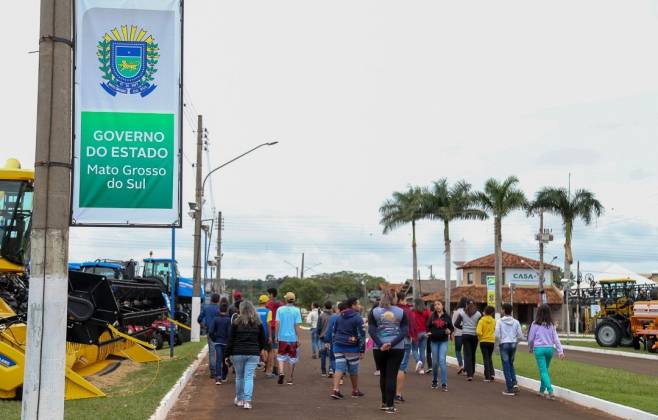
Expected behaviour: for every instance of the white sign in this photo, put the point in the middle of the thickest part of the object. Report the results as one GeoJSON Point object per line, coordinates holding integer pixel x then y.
{"type": "Point", "coordinates": [526, 277]}
{"type": "Point", "coordinates": [127, 152]}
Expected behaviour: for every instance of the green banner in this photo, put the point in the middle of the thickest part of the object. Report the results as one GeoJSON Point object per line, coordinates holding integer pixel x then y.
{"type": "Point", "coordinates": [126, 160]}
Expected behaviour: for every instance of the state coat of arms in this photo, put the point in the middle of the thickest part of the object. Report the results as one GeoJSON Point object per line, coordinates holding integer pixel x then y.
{"type": "Point", "coordinates": [128, 61]}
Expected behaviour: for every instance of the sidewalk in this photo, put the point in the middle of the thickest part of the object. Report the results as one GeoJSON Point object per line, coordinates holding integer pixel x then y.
{"type": "Point", "coordinates": [309, 398]}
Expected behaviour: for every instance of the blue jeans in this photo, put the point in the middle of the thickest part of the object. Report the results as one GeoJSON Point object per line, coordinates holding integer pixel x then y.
{"type": "Point", "coordinates": [324, 354]}
{"type": "Point", "coordinates": [245, 366]}
{"type": "Point", "coordinates": [315, 341]}
{"type": "Point", "coordinates": [458, 350]}
{"type": "Point", "coordinates": [507, 352]}
{"type": "Point", "coordinates": [418, 348]}
{"type": "Point", "coordinates": [211, 356]}
{"type": "Point", "coordinates": [439, 353]}
{"type": "Point", "coordinates": [219, 357]}
{"type": "Point", "coordinates": [405, 359]}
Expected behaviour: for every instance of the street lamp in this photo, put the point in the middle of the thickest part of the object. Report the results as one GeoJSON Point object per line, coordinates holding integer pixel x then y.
{"type": "Point", "coordinates": [542, 292]}
{"type": "Point", "coordinates": [196, 210]}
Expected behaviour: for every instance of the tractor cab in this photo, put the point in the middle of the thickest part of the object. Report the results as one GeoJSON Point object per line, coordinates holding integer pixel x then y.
{"type": "Point", "coordinates": [16, 189]}
{"type": "Point", "coordinates": [617, 296]}
{"type": "Point", "coordinates": [112, 269]}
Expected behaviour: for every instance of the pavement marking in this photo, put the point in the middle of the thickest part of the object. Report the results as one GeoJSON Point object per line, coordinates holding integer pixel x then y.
{"type": "Point", "coordinates": [611, 352]}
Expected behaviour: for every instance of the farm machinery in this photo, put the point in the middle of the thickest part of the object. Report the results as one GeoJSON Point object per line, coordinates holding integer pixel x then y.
{"type": "Point", "coordinates": [628, 313]}
{"type": "Point", "coordinates": [107, 317]}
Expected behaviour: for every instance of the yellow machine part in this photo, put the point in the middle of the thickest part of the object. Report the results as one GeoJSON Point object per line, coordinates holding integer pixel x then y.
{"type": "Point", "coordinates": [81, 360]}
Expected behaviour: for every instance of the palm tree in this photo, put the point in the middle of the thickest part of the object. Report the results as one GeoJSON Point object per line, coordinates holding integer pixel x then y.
{"type": "Point", "coordinates": [581, 205]}
{"type": "Point", "coordinates": [445, 203]}
{"type": "Point", "coordinates": [400, 209]}
{"type": "Point", "coordinates": [500, 199]}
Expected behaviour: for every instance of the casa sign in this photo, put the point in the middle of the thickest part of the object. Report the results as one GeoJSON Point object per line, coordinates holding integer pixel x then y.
{"type": "Point", "coordinates": [526, 276]}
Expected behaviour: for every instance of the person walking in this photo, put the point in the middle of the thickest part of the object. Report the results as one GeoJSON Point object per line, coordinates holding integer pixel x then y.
{"type": "Point", "coordinates": [467, 320]}
{"type": "Point", "coordinates": [440, 329]}
{"type": "Point", "coordinates": [485, 330]}
{"type": "Point", "coordinates": [457, 335]}
{"type": "Point", "coordinates": [411, 334]}
{"type": "Point", "coordinates": [312, 320]}
{"type": "Point", "coordinates": [273, 304]}
{"type": "Point", "coordinates": [245, 347]}
{"type": "Point", "coordinates": [208, 312]}
{"type": "Point", "coordinates": [323, 327]}
{"type": "Point", "coordinates": [327, 343]}
{"type": "Point", "coordinates": [237, 300]}
{"type": "Point", "coordinates": [349, 344]}
{"type": "Point", "coordinates": [428, 348]}
{"type": "Point", "coordinates": [219, 331]}
{"type": "Point", "coordinates": [265, 315]}
{"type": "Point", "coordinates": [420, 315]}
{"type": "Point", "coordinates": [508, 333]}
{"type": "Point", "coordinates": [288, 320]}
{"type": "Point", "coordinates": [388, 327]}
{"type": "Point", "coordinates": [542, 338]}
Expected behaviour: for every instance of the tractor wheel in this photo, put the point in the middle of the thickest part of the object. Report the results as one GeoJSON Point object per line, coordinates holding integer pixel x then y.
{"type": "Point", "coordinates": [650, 344]}
{"type": "Point", "coordinates": [156, 341]}
{"type": "Point", "coordinates": [608, 334]}
{"type": "Point", "coordinates": [626, 341]}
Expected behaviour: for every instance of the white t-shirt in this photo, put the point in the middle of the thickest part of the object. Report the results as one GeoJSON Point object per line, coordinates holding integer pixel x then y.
{"type": "Point", "coordinates": [312, 318]}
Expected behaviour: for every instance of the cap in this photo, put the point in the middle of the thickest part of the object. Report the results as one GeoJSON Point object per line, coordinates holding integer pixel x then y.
{"type": "Point", "coordinates": [237, 294]}
{"type": "Point", "coordinates": [290, 296]}
{"type": "Point", "coordinates": [263, 299]}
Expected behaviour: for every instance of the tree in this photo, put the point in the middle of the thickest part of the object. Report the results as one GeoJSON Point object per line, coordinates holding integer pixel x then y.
{"type": "Point", "coordinates": [445, 204]}
{"type": "Point", "coordinates": [581, 205]}
{"type": "Point", "coordinates": [306, 291]}
{"type": "Point", "coordinates": [500, 199]}
{"type": "Point", "coordinates": [403, 208]}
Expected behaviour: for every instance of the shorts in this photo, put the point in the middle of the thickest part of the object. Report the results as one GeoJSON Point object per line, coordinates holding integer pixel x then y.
{"type": "Point", "coordinates": [348, 362]}
{"type": "Point", "coordinates": [288, 352]}
{"type": "Point", "coordinates": [405, 360]}
{"type": "Point", "coordinates": [275, 344]}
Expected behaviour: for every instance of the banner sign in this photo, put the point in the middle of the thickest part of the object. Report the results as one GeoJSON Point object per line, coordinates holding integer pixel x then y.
{"type": "Point", "coordinates": [491, 291]}
{"type": "Point", "coordinates": [526, 277]}
{"type": "Point", "coordinates": [127, 139]}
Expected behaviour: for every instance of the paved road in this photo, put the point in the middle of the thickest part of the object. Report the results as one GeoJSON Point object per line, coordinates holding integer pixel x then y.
{"type": "Point", "coordinates": [309, 399]}
{"type": "Point", "coordinates": [630, 364]}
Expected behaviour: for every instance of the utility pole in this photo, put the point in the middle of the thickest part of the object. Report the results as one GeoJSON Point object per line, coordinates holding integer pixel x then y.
{"type": "Point", "coordinates": [219, 283]}
{"type": "Point", "coordinates": [578, 278]}
{"type": "Point", "coordinates": [431, 272]}
{"type": "Point", "coordinates": [45, 359]}
{"type": "Point", "coordinates": [198, 214]}
{"type": "Point", "coordinates": [302, 270]}
{"type": "Point", "coordinates": [543, 237]}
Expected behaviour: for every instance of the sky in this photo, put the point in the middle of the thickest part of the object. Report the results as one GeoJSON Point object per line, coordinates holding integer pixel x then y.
{"type": "Point", "coordinates": [367, 97]}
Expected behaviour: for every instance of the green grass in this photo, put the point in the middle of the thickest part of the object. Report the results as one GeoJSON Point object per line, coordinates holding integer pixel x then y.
{"type": "Point", "coordinates": [133, 398]}
{"type": "Point", "coordinates": [627, 388]}
{"type": "Point", "coordinates": [594, 345]}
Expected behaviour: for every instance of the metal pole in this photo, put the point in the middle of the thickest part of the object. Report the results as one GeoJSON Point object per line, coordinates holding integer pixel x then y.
{"type": "Point", "coordinates": [578, 301]}
{"type": "Point", "coordinates": [219, 283]}
{"type": "Point", "coordinates": [542, 293]}
{"type": "Point", "coordinates": [172, 291]}
{"type": "Point", "coordinates": [302, 271]}
{"type": "Point", "coordinates": [196, 290]}
{"type": "Point", "coordinates": [45, 358]}
{"type": "Point", "coordinates": [205, 257]}
{"type": "Point", "coordinates": [568, 312]}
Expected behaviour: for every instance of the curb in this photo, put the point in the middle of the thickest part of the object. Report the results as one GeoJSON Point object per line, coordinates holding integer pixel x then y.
{"type": "Point", "coordinates": [611, 352]}
{"type": "Point", "coordinates": [578, 398]}
{"type": "Point", "coordinates": [168, 401]}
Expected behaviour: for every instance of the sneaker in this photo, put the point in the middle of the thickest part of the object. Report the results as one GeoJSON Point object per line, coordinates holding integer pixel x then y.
{"type": "Point", "coordinates": [238, 403]}
{"type": "Point", "coordinates": [421, 372]}
{"type": "Point", "coordinates": [509, 393]}
{"type": "Point", "coordinates": [550, 396]}
{"type": "Point", "coordinates": [247, 405]}
{"type": "Point", "coordinates": [323, 374]}
{"type": "Point", "coordinates": [330, 374]}
{"type": "Point", "coordinates": [391, 410]}
{"type": "Point", "coordinates": [336, 395]}
{"type": "Point", "coordinates": [428, 371]}
{"type": "Point", "coordinates": [435, 385]}
{"type": "Point", "coordinates": [383, 407]}
{"type": "Point", "coordinates": [376, 373]}
{"type": "Point", "coordinates": [281, 378]}
{"type": "Point", "coordinates": [419, 367]}
{"type": "Point", "coordinates": [341, 381]}
{"type": "Point", "coordinates": [357, 394]}
{"type": "Point", "coordinates": [399, 399]}
{"type": "Point", "coordinates": [460, 371]}
{"type": "Point", "coordinates": [487, 380]}
{"type": "Point", "coordinates": [444, 387]}
{"type": "Point", "coordinates": [469, 379]}
{"type": "Point", "coordinates": [218, 382]}
{"type": "Point", "coordinates": [290, 382]}
{"type": "Point", "coordinates": [516, 389]}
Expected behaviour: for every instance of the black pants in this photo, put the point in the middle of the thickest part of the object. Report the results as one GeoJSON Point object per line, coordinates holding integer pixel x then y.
{"type": "Point", "coordinates": [470, 344]}
{"type": "Point", "coordinates": [487, 354]}
{"type": "Point", "coordinates": [428, 353]}
{"type": "Point", "coordinates": [389, 364]}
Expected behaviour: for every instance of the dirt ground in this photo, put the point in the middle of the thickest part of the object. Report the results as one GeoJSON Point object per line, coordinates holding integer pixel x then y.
{"type": "Point", "coordinates": [309, 398]}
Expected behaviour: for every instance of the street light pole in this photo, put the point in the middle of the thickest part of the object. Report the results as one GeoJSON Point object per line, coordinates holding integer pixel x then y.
{"type": "Point", "coordinates": [198, 214]}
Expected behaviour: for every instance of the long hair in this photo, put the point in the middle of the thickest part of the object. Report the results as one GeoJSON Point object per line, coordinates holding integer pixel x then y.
{"type": "Point", "coordinates": [386, 300]}
{"type": "Point", "coordinates": [471, 309]}
{"type": "Point", "coordinates": [463, 301]}
{"type": "Point", "coordinates": [544, 316]}
{"type": "Point", "coordinates": [419, 305]}
{"type": "Point", "coordinates": [248, 315]}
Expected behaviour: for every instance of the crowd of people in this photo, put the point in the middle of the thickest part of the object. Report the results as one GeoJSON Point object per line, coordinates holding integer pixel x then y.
{"type": "Point", "coordinates": [243, 338]}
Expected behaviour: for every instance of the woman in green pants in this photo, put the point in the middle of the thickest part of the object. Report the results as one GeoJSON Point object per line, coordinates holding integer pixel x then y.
{"type": "Point", "coordinates": [542, 338]}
